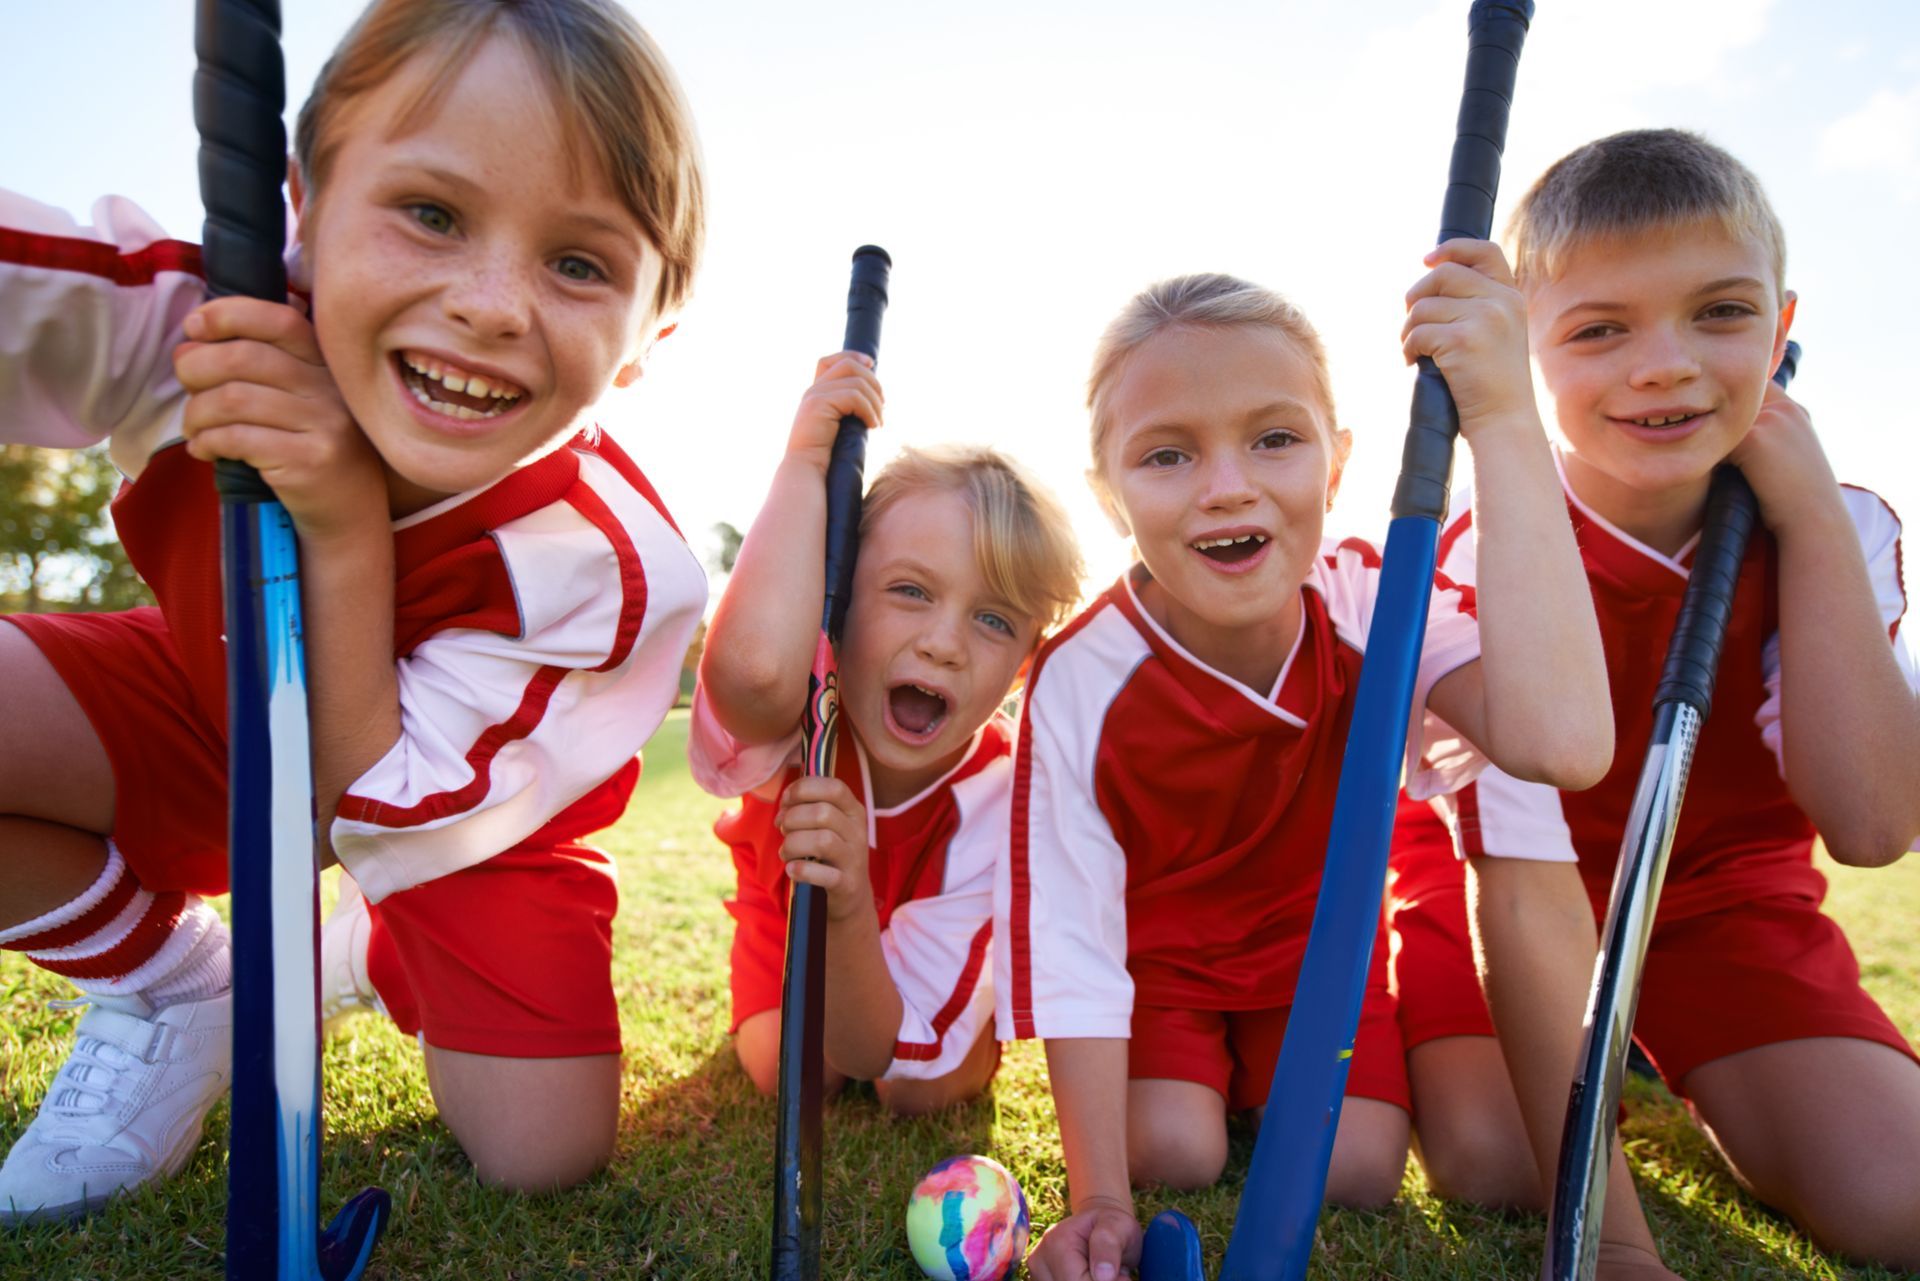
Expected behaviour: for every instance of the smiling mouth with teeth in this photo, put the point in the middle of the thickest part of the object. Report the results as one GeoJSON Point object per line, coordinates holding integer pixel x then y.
{"type": "Point", "coordinates": [1668, 420]}
{"type": "Point", "coordinates": [453, 391]}
{"type": "Point", "coordinates": [1229, 550]}
{"type": "Point", "coordinates": [917, 710]}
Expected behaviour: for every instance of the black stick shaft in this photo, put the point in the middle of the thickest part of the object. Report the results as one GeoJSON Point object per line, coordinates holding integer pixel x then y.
{"type": "Point", "coordinates": [795, 1254]}
{"type": "Point", "coordinates": [1681, 704]}
{"type": "Point", "coordinates": [1496, 31]}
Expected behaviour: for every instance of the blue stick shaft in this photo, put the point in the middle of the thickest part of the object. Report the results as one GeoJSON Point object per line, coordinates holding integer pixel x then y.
{"type": "Point", "coordinates": [1273, 1232]}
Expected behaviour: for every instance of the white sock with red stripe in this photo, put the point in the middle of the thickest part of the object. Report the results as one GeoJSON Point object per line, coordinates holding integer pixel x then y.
{"type": "Point", "coordinates": [118, 939]}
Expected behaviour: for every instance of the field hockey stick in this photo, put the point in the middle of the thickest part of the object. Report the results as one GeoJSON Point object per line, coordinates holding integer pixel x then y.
{"type": "Point", "coordinates": [273, 1175]}
{"type": "Point", "coordinates": [1681, 704]}
{"type": "Point", "coordinates": [1280, 1205]}
{"type": "Point", "coordinates": [796, 1173]}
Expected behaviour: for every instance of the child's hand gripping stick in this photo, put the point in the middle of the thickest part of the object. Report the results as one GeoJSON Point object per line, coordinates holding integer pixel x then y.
{"type": "Point", "coordinates": [796, 1189]}
{"type": "Point", "coordinates": [273, 1182]}
{"type": "Point", "coordinates": [1681, 705]}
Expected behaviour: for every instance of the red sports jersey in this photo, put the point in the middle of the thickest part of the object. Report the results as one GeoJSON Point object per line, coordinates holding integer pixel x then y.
{"type": "Point", "coordinates": [931, 860]}
{"type": "Point", "coordinates": [1740, 835]}
{"type": "Point", "coordinates": [1170, 823]}
{"type": "Point", "coordinates": [541, 622]}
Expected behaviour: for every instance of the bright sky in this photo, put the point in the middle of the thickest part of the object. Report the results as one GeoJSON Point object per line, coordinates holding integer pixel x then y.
{"type": "Point", "coordinates": [1031, 165]}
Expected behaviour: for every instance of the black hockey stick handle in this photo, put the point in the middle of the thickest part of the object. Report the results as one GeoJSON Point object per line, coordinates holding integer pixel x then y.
{"type": "Point", "coordinates": [239, 93]}
{"type": "Point", "coordinates": [866, 307]}
{"type": "Point", "coordinates": [1693, 654]}
{"type": "Point", "coordinates": [1496, 30]}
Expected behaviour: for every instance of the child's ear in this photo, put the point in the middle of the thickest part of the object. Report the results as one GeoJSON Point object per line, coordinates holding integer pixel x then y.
{"type": "Point", "coordinates": [1786, 323]}
{"type": "Point", "coordinates": [629, 373]}
{"type": "Point", "coordinates": [1342, 450]}
{"type": "Point", "coordinates": [296, 189]}
{"type": "Point", "coordinates": [1115, 517]}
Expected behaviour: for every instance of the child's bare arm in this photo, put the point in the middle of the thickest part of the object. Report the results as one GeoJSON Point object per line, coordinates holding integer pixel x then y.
{"type": "Point", "coordinates": [824, 841]}
{"type": "Point", "coordinates": [1534, 933]}
{"type": "Point", "coordinates": [1850, 723]}
{"type": "Point", "coordinates": [260, 392]}
{"type": "Point", "coordinates": [1537, 702]}
{"type": "Point", "coordinates": [760, 645]}
{"type": "Point", "coordinates": [1089, 1078]}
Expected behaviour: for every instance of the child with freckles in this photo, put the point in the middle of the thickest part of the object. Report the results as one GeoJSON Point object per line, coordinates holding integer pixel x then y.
{"type": "Point", "coordinates": [497, 206]}
{"type": "Point", "coordinates": [1654, 271]}
{"type": "Point", "coordinates": [1181, 741]}
{"type": "Point", "coordinates": [964, 565]}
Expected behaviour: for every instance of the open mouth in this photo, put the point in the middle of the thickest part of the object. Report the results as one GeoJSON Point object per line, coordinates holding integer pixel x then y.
{"type": "Point", "coordinates": [453, 391]}
{"type": "Point", "coordinates": [916, 710]}
{"type": "Point", "coordinates": [1667, 422]}
{"type": "Point", "coordinates": [1230, 551]}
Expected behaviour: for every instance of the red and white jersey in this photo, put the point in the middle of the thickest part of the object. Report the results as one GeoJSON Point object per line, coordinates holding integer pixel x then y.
{"type": "Point", "coordinates": [540, 623]}
{"type": "Point", "coordinates": [931, 859]}
{"type": "Point", "coordinates": [1170, 823]}
{"type": "Point", "coordinates": [1740, 834]}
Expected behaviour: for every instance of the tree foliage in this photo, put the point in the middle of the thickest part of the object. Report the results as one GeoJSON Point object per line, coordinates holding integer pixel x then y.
{"type": "Point", "coordinates": [57, 546]}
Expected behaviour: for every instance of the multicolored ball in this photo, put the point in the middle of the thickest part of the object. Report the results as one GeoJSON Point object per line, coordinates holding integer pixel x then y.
{"type": "Point", "coordinates": [967, 1221]}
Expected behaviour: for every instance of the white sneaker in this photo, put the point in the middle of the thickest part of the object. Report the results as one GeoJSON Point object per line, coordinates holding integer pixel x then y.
{"type": "Point", "coordinates": [126, 1108]}
{"type": "Point", "coordinates": [345, 989]}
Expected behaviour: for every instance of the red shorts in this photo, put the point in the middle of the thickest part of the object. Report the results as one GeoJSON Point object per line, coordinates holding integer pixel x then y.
{"type": "Point", "coordinates": [759, 957]}
{"type": "Point", "coordinates": [1753, 974]}
{"type": "Point", "coordinates": [169, 760]}
{"type": "Point", "coordinates": [1233, 1052]}
{"type": "Point", "coordinates": [1432, 972]}
{"type": "Point", "coordinates": [511, 958]}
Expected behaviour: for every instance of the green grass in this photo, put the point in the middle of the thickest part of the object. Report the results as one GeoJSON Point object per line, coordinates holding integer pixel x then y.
{"type": "Point", "coordinates": [688, 1193]}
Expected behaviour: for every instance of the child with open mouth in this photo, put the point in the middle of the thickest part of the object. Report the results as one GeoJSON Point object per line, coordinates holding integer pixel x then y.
{"type": "Point", "coordinates": [965, 564]}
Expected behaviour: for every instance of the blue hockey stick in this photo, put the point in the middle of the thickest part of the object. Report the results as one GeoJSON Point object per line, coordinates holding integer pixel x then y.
{"type": "Point", "coordinates": [1287, 1181]}
{"type": "Point", "coordinates": [273, 1175]}
{"type": "Point", "coordinates": [1681, 704]}
{"type": "Point", "coordinates": [795, 1254]}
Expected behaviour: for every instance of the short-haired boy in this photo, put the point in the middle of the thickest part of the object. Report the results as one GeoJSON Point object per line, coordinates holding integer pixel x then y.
{"type": "Point", "coordinates": [1652, 266]}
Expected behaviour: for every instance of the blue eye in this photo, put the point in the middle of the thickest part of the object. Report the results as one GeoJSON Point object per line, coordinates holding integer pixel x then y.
{"type": "Point", "coordinates": [579, 270]}
{"type": "Point", "coordinates": [432, 217]}
{"type": "Point", "coordinates": [997, 623]}
{"type": "Point", "coordinates": [910, 590]}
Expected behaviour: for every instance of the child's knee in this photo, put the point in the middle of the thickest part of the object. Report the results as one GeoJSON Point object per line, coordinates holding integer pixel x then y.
{"type": "Point", "coordinates": [529, 1125]}
{"type": "Point", "coordinates": [1480, 1167]}
{"type": "Point", "coordinates": [917, 1098]}
{"type": "Point", "coordinates": [757, 1045]}
{"type": "Point", "coordinates": [1877, 1223]}
{"type": "Point", "coordinates": [1183, 1161]}
{"type": "Point", "coordinates": [1369, 1155]}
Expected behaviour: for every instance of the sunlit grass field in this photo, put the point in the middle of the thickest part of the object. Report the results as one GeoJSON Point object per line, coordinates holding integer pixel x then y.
{"type": "Point", "coordinates": [688, 1194]}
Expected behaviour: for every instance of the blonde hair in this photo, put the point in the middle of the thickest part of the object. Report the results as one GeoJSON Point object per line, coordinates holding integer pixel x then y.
{"type": "Point", "coordinates": [1022, 539]}
{"type": "Point", "coordinates": [1634, 182]}
{"type": "Point", "coordinates": [1205, 300]}
{"type": "Point", "coordinates": [611, 86]}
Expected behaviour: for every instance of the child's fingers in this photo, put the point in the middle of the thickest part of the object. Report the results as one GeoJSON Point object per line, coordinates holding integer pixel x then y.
{"type": "Point", "coordinates": [825, 875]}
{"type": "Point", "coordinates": [277, 323]}
{"type": "Point", "coordinates": [248, 403]}
{"type": "Point", "coordinates": [817, 816]}
{"type": "Point", "coordinates": [860, 359]}
{"type": "Point", "coordinates": [1452, 280]}
{"type": "Point", "coordinates": [1482, 256]}
{"type": "Point", "coordinates": [1106, 1248]}
{"type": "Point", "coordinates": [266, 449]}
{"type": "Point", "coordinates": [813, 787]}
{"type": "Point", "coordinates": [201, 366]}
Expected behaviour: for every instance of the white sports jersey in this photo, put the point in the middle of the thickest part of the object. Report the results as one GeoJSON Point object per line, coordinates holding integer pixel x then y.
{"type": "Point", "coordinates": [1170, 823]}
{"type": "Point", "coordinates": [931, 859]}
{"type": "Point", "coordinates": [1740, 833]}
{"type": "Point", "coordinates": [541, 622]}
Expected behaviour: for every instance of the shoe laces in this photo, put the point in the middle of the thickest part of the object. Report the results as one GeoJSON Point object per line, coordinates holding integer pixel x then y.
{"type": "Point", "coordinates": [83, 1088]}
